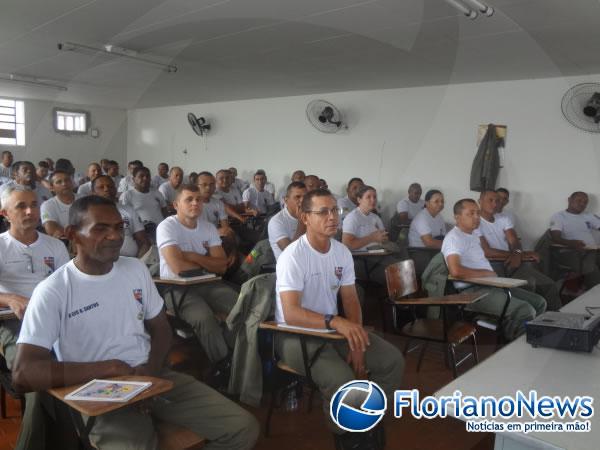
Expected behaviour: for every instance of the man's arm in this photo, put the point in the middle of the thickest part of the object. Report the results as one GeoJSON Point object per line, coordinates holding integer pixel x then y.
{"type": "Point", "coordinates": [54, 229]}
{"type": "Point", "coordinates": [161, 336]}
{"type": "Point", "coordinates": [17, 303]}
{"type": "Point", "coordinates": [230, 210]}
{"type": "Point", "coordinates": [403, 218]}
{"type": "Point", "coordinates": [35, 370]}
{"type": "Point", "coordinates": [430, 242]}
{"type": "Point", "coordinates": [557, 238]}
{"type": "Point", "coordinates": [353, 242]}
{"type": "Point", "coordinates": [178, 260]}
{"type": "Point", "coordinates": [457, 270]}
{"type": "Point", "coordinates": [143, 243]}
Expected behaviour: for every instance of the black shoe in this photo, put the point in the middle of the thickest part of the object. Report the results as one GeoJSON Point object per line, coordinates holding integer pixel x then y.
{"type": "Point", "coordinates": [370, 440]}
{"type": "Point", "coordinates": [219, 377]}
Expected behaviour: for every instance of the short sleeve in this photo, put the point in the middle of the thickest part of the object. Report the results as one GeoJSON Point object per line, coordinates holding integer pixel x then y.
{"type": "Point", "coordinates": [402, 206]}
{"type": "Point", "coordinates": [166, 234]}
{"type": "Point", "coordinates": [350, 224]}
{"type": "Point", "coordinates": [125, 197]}
{"type": "Point", "coordinates": [41, 323]}
{"type": "Point", "coordinates": [595, 221]}
{"type": "Point", "coordinates": [450, 246]}
{"type": "Point", "coordinates": [246, 195]}
{"type": "Point", "coordinates": [136, 223]}
{"type": "Point", "coordinates": [214, 240]}
{"type": "Point", "coordinates": [161, 200]}
{"type": "Point", "coordinates": [155, 302]}
{"type": "Point", "coordinates": [505, 222]}
{"type": "Point", "coordinates": [221, 209]}
{"type": "Point", "coordinates": [48, 213]}
{"type": "Point", "coordinates": [290, 276]}
{"type": "Point", "coordinates": [348, 274]}
{"type": "Point", "coordinates": [276, 230]}
{"type": "Point", "coordinates": [556, 223]}
{"type": "Point", "coordinates": [421, 226]}
{"type": "Point", "coordinates": [61, 255]}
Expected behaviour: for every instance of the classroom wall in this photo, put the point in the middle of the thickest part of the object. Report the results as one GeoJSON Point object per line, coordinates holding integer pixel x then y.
{"type": "Point", "coordinates": [394, 137]}
{"type": "Point", "coordinates": [42, 141]}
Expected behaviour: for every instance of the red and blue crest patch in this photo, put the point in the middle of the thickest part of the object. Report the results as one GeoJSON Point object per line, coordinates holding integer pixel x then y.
{"type": "Point", "coordinates": [137, 294]}
{"type": "Point", "coordinates": [49, 262]}
{"type": "Point", "coordinates": [338, 272]}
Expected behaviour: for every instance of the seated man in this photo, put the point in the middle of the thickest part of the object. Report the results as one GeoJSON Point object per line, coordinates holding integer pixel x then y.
{"type": "Point", "coordinates": [185, 242]}
{"type": "Point", "coordinates": [311, 272]}
{"type": "Point", "coordinates": [55, 211]}
{"type": "Point", "coordinates": [240, 184]}
{"type": "Point", "coordinates": [312, 182]}
{"type": "Point", "coordinates": [112, 171]}
{"type": "Point", "coordinates": [162, 176]}
{"type": "Point", "coordinates": [169, 188]}
{"type": "Point", "coordinates": [214, 210]}
{"type": "Point", "coordinates": [503, 199]}
{"type": "Point", "coordinates": [573, 229]}
{"type": "Point", "coordinates": [349, 202]}
{"type": "Point", "coordinates": [135, 241]}
{"type": "Point", "coordinates": [269, 187]}
{"type": "Point", "coordinates": [127, 182]}
{"type": "Point", "coordinates": [256, 197]}
{"type": "Point", "coordinates": [409, 207]}
{"type": "Point", "coordinates": [499, 240]}
{"type": "Point", "coordinates": [6, 164]}
{"type": "Point", "coordinates": [465, 258]}
{"type": "Point", "coordinates": [42, 174]}
{"type": "Point", "coordinates": [23, 174]}
{"type": "Point", "coordinates": [103, 317]}
{"type": "Point", "coordinates": [93, 170]}
{"type": "Point", "coordinates": [150, 206]}
{"type": "Point", "coordinates": [298, 175]}
{"type": "Point", "coordinates": [427, 230]}
{"type": "Point", "coordinates": [284, 227]}
{"type": "Point", "coordinates": [227, 192]}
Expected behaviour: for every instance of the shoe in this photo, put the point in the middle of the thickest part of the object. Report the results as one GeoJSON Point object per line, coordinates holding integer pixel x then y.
{"type": "Point", "coordinates": [219, 377]}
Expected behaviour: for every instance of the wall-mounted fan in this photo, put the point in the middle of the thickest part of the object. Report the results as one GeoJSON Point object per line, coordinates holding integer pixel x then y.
{"type": "Point", "coordinates": [581, 106]}
{"type": "Point", "coordinates": [198, 124]}
{"type": "Point", "coordinates": [324, 116]}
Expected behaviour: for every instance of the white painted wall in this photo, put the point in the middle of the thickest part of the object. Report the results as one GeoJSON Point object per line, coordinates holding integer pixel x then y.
{"type": "Point", "coordinates": [42, 141]}
{"type": "Point", "coordinates": [395, 137]}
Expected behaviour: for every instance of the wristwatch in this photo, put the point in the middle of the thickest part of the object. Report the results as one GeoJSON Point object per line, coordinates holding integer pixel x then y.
{"type": "Point", "coordinates": [517, 251]}
{"type": "Point", "coordinates": [328, 319]}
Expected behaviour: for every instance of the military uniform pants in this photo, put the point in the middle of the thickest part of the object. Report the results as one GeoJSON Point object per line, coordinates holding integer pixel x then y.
{"type": "Point", "coordinates": [189, 404]}
{"type": "Point", "coordinates": [537, 282]}
{"type": "Point", "coordinates": [9, 332]}
{"type": "Point", "coordinates": [198, 309]}
{"type": "Point", "coordinates": [330, 371]}
{"type": "Point", "coordinates": [524, 306]}
{"type": "Point", "coordinates": [586, 263]}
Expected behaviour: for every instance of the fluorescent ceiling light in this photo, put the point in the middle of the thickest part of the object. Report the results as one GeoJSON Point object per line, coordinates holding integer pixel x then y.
{"type": "Point", "coordinates": [26, 79]}
{"type": "Point", "coordinates": [113, 50]}
{"type": "Point", "coordinates": [482, 7]}
{"type": "Point", "coordinates": [459, 5]}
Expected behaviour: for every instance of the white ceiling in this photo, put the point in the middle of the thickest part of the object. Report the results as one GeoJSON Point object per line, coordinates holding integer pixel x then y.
{"type": "Point", "coordinates": [240, 49]}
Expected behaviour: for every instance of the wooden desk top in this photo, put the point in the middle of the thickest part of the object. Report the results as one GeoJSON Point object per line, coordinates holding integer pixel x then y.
{"type": "Point", "coordinates": [186, 281]}
{"type": "Point", "coordinates": [586, 249]}
{"type": "Point", "coordinates": [271, 325]}
{"type": "Point", "coordinates": [7, 314]}
{"type": "Point", "coordinates": [454, 299]}
{"type": "Point", "coordinates": [500, 259]}
{"type": "Point", "coordinates": [159, 386]}
{"type": "Point", "coordinates": [381, 252]}
{"type": "Point", "coordinates": [498, 282]}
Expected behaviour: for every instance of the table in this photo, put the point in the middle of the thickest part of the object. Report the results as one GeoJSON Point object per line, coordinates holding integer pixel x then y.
{"type": "Point", "coordinates": [519, 366]}
{"type": "Point", "coordinates": [94, 409]}
{"type": "Point", "coordinates": [186, 283]}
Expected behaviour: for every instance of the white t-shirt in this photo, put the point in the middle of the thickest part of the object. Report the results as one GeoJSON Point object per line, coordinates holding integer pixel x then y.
{"type": "Point", "coordinates": [406, 206]}
{"type": "Point", "coordinates": [424, 223]}
{"type": "Point", "coordinates": [94, 317]}
{"type": "Point", "coordinates": [282, 225]}
{"type": "Point", "coordinates": [22, 266]}
{"type": "Point", "coordinates": [361, 225]}
{"type": "Point", "coordinates": [56, 211]}
{"type": "Point", "coordinates": [156, 181]}
{"type": "Point", "coordinates": [41, 192]}
{"type": "Point", "coordinates": [233, 197]}
{"type": "Point", "coordinates": [131, 225]}
{"type": "Point", "coordinates": [125, 184]}
{"type": "Point", "coordinates": [510, 215]}
{"type": "Point", "coordinates": [493, 232]}
{"type": "Point", "coordinates": [4, 180]}
{"type": "Point", "coordinates": [5, 171]}
{"type": "Point", "coordinates": [576, 226]}
{"type": "Point", "coordinates": [318, 276]}
{"type": "Point", "coordinates": [258, 200]}
{"type": "Point", "coordinates": [241, 185]}
{"type": "Point", "coordinates": [147, 205]}
{"type": "Point", "coordinates": [198, 240]}
{"type": "Point", "coordinates": [467, 246]}
{"type": "Point", "coordinates": [85, 189]}
{"type": "Point", "coordinates": [213, 211]}
{"type": "Point", "coordinates": [168, 192]}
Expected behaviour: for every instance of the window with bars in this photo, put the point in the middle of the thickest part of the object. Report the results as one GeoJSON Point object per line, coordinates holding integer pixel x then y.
{"type": "Point", "coordinates": [12, 122]}
{"type": "Point", "coordinates": [71, 122]}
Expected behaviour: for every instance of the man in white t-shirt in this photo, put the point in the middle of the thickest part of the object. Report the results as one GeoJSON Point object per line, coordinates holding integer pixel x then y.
{"type": "Point", "coordinates": [311, 273]}
{"type": "Point", "coordinates": [256, 197]}
{"type": "Point", "coordinates": [297, 175]}
{"type": "Point", "coordinates": [135, 241]}
{"type": "Point", "coordinates": [55, 211]}
{"type": "Point", "coordinates": [213, 209]}
{"type": "Point", "coordinates": [112, 171]}
{"type": "Point", "coordinates": [284, 227]}
{"type": "Point", "coordinates": [162, 176]}
{"type": "Point", "coordinates": [240, 184]}
{"type": "Point", "coordinates": [465, 259]}
{"type": "Point", "coordinates": [127, 183]}
{"type": "Point", "coordinates": [93, 171]}
{"type": "Point", "coordinates": [103, 317]}
{"type": "Point", "coordinates": [169, 188]}
{"type": "Point", "coordinates": [23, 174]}
{"type": "Point", "coordinates": [150, 206]}
{"type": "Point", "coordinates": [503, 199]}
{"type": "Point", "coordinates": [501, 244]}
{"type": "Point", "coordinates": [227, 192]}
{"type": "Point", "coordinates": [573, 229]}
{"type": "Point", "coordinates": [6, 164]}
{"type": "Point", "coordinates": [409, 207]}
{"type": "Point", "coordinates": [187, 242]}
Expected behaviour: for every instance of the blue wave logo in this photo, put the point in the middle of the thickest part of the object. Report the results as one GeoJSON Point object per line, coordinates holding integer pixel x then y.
{"type": "Point", "coordinates": [358, 405]}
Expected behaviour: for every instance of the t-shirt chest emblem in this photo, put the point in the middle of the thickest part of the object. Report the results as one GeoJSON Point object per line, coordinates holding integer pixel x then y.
{"type": "Point", "coordinates": [49, 263]}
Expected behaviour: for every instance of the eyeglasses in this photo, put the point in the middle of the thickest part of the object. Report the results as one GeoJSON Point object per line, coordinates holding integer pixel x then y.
{"type": "Point", "coordinates": [326, 212]}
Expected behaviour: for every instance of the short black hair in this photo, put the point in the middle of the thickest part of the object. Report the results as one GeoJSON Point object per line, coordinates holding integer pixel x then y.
{"type": "Point", "coordinates": [294, 185]}
{"type": "Point", "coordinates": [64, 164]}
{"type": "Point", "coordinates": [307, 199]}
{"type": "Point", "coordinates": [44, 164]}
{"type": "Point", "coordinates": [205, 173]}
{"type": "Point", "coordinates": [6, 152]}
{"type": "Point", "coordinates": [58, 172]}
{"type": "Point", "coordinates": [17, 165]}
{"type": "Point", "coordinates": [99, 177]}
{"type": "Point", "coordinates": [431, 193]}
{"type": "Point", "coordinates": [485, 191]}
{"type": "Point", "coordinates": [163, 164]}
{"type": "Point", "coordinates": [503, 190]}
{"type": "Point", "coordinates": [352, 180]}
{"type": "Point", "coordinates": [574, 194]}
{"type": "Point", "coordinates": [112, 162]}
{"type": "Point", "coordinates": [364, 189]}
{"type": "Point", "coordinates": [80, 207]}
{"type": "Point", "coordinates": [459, 205]}
{"type": "Point", "coordinates": [138, 169]}
{"type": "Point", "coordinates": [186, 187]}
{"type": "Point", "coordinates": [414, 186]}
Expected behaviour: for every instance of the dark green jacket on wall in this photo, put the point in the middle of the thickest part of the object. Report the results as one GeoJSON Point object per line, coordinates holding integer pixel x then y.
{"type": "Point", "coordinates": [486, 164]}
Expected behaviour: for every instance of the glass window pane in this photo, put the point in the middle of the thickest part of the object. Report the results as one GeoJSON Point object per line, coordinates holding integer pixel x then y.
{"type": "Point", "coordinates": [6, 102]}
{"type": "Point", "coordinates": [7, 141]}
{"type": "Point", "coordinates": [60, 122]}
{"type": "Point", "coordinates": [7, 110]}
{"type": "Point", "coordinates": [77, 123]}
{"type": "Point", "coordinates": [69, 123]}
{"type": "Point", "coordinates": [5, 118]}
{"type": "Point", "coordinates": [83, 126]}
{"type": "Point", "coordinates": [20, 134]}
{"type": "Point", "coordinates": [7, 126]}
{"type": "Point", "coordinates": [20, 112]}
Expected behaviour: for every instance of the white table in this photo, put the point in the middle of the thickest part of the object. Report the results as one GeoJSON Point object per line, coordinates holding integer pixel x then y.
{"type": "Point", "coordinates": [519, 366]}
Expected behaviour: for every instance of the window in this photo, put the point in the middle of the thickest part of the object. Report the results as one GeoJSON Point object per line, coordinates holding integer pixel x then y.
{"type": "Point", "coordinates": [12, 122]}
{"type": "Point", "coordinates": [70, 122]}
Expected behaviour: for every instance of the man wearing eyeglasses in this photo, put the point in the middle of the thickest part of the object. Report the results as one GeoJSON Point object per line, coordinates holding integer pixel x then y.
{"type": "Point", "coordinates": [311, 273]}
{"type": "Point", "coordinates": [26, 258]}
